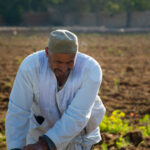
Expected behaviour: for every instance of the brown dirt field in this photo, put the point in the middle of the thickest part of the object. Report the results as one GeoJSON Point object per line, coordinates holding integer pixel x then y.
{"type": "Point", "coordinates": [125, 61]}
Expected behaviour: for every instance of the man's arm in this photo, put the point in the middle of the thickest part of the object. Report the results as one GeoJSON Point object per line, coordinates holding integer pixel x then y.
{"type": "Point", "coordinates": [20, 102]}
{"type": "Point", "coordinates": [44, 143]}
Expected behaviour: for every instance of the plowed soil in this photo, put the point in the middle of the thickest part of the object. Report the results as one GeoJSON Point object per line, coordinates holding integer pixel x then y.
{"type": "Point", "coordinates": [124, 58]}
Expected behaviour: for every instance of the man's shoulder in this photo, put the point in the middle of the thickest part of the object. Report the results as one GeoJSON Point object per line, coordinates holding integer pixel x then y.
{"type": "Point", "coordinates": [90, 68]}
{"type": "Point", "coordinates": [31, 61]}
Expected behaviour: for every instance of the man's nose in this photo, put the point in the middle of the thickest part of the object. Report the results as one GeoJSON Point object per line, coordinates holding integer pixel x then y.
{"type": "Point", "coordinates": [64, 68]}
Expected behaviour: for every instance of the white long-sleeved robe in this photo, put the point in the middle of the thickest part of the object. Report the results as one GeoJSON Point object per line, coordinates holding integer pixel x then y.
{"type": "Point", "coordinates": [72, 115]}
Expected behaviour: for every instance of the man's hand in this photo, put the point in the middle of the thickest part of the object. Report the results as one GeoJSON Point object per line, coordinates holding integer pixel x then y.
{"type": "Point", "coordinates": [40, 145]}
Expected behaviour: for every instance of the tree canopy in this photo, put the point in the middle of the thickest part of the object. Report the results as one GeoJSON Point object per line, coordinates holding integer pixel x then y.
{"type": "Point", "coordinates": [12, 11]}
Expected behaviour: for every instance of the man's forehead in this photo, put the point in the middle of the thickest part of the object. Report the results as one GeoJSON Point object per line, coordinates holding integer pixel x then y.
{"type": "Point", "coordinates": [63, 56]}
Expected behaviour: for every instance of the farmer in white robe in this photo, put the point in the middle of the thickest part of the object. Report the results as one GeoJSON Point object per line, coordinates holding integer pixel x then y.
{"type": "Point", "coordinates": [54, 102]}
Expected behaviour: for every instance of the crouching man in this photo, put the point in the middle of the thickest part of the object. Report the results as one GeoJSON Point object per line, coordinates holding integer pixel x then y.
{"type": "Point", "coordinates": [54, 102]}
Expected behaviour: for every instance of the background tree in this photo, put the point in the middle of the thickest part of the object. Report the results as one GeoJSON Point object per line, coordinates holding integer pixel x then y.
{"type": "Point", "coordinates": [133, 5]}
{"type": "Point", "coordinates": [128, 6]}
{"type": "Point", "coordinates": [12, 11]}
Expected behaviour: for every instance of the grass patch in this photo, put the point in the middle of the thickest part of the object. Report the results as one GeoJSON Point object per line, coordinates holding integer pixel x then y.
{"type": "Point", "coordinates": [145, 125]}
{"type": "Point", "coordinates": [115, 123]}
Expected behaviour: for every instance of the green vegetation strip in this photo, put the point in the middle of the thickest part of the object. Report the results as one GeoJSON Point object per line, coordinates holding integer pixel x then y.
{"type": "Point", "coordinates": [117, 124]}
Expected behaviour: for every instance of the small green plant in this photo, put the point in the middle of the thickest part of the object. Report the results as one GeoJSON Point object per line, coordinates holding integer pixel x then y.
{"type": "Point", "coordinates": [110, 49]}
{"type": "Point", "coordinates": [115, 123]}
{"type": "Point", "coordinates": [2, 138]}
{"type": "Point", "coordinates": [104, 146]}
{"type": "Point", "coordinates": [3, 120]}
{"type": "Point", "coordinates": [116, 84]}
{"type": "Point", "coordinates": [122, 142]}
{"type": "Point", "coordinates": [119, 52]}
{"type": "Point", "coordinates": [19, 60]}
{"type": "Point", "coordinates": [145, 125]}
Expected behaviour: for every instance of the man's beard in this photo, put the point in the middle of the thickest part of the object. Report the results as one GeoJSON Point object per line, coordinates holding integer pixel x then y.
{"type": "Point", "coordinates": [61, 77]}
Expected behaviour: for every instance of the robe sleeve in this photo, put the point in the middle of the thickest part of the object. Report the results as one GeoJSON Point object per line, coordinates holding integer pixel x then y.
{"type": "Point", "coordinates": [20, 102]}
{"type": "Point", "coordinates": [76, 117]}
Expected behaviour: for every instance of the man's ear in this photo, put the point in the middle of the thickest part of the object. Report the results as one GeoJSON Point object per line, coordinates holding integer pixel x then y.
{"type": "Point", "coordinates": [46, 51]}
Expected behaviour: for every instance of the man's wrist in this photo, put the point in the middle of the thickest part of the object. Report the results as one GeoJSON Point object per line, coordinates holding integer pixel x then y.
{"type": "Point", "coordinates": [50, 144]}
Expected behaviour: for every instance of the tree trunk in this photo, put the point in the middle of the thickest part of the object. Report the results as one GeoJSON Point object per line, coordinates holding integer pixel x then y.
{"type": "Point", "coordinates": [128, 19]}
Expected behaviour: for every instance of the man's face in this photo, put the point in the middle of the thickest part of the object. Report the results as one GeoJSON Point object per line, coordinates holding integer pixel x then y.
{"type": "Point", "coordinates": [61, 64]}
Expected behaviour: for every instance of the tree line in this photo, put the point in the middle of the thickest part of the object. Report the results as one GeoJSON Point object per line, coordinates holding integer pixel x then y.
{"type": "Point", "coordinates": [12, 11]}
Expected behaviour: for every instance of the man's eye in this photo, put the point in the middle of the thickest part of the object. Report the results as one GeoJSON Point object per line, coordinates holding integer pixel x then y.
{"type": "Point", "coordinates": [71, 62]}
{"type": "Point", "coordinates": [59, 62]}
